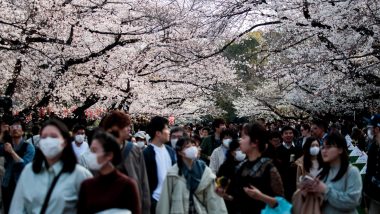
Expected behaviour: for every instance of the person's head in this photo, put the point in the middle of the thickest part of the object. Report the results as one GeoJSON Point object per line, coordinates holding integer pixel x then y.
{"type": "Point", "coordinates": [36, 130]}
{"type": "Point", "coordinates": [275, 139]}
{"type": "Point", "coordinates": [234, 153]}
{"type": "Point", "coordinates": [79, 133]}
{"type": "Point", "coordinates": [118, 124]}
{"type": "Point", "coordinates": [105, 150]}
{"type": "Point", "coordinates": [158, 129]}
{"type": "Point", "coordinates": [261, 121]}
{"type": "Point", "coordinates": [311, 150]}
{"type": "Point", "coordinates": [205, 132]}
{"type": "Point", "coordinates": [318, 128]}
{"type": "Point", "coordinates": [305, 130]}
{"type": "Point", "coordinates": [219, 125]}
{"type": "Point", "coordinates": [140, 138]}
{"type": "Point", "coordinates": [185, 150]}
{"type": "Point", "coordinates": [17, 128]}
{"type": "Point", "coordinates": [287, 134]}
{"type": "Point", "coordinates": [54, 145]}
{"type": "Point", "coordinates": [197, 139]}
{"type": "Point", "coordinates": [335, 152]}
{"type": "Point", "coordinates": [374, 126]}
{"type": "Point", "coordinates": [254, 137]}
{"type": "Point", "coordinates": [227, 136]}
{"type": "Point", "coordinates": [175, 134]}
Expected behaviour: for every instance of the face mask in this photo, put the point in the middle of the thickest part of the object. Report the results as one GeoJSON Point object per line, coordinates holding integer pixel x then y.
{"type": "Point", "coordinates": [51, 147]}
{"type": "Point", "coordinates": [79, 138]}
{"type": "Point", "coordinates": [227, 142]}
{"type": "Point", "coordinates": [140, 144]}
{"type": "Point", "coordinates": [314, 151]}
{"type": "Point", "coordinates": [239, 155]}
{"type": "Point", "coordinates": [370, 134]}
{"type": "Point", "coordinates": [173, 142]}
{"type": "Point", "coordinates": [191, 152]}
{"type": "Point", "coordinates": [92, 161]}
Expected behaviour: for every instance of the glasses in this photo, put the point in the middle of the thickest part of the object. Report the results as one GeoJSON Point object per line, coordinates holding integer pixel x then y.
{"type": "Point", "coordinates": [14, 127]}
{"type": "Point", "coordinates": [328, 147]}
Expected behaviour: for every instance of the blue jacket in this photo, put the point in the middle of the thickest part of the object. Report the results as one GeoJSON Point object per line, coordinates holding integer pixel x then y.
{"type": "Point", "coordinates": [13, 169]}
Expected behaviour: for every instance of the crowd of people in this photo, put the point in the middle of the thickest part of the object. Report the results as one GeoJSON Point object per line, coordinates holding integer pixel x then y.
{"type": "Point", "coordinates": [192, 169]}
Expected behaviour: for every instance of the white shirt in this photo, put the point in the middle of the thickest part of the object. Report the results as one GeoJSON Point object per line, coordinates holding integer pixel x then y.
{"type": "Point", "coordinates": [164, 163]}
{"type": "Point", "coordinates": [286, 145]}
{"type": "Point", "coordinates": [217, 158]}
{"type": "Point", "coordinates": [32, 188]}
{"type": "Point", "coordinates": [79, 150]}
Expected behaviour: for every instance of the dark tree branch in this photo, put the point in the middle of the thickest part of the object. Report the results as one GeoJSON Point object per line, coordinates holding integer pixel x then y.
{"type": "Point", "coordinates": [10, 90]}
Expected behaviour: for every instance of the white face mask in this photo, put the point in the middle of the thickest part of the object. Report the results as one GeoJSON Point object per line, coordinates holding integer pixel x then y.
{"type": "Point", "coordinates": [140, 144]}
{"type": "Point", "coordinates": [92, 161]}
{"type": "Point", "coordinates": [79, 138]}
{"type": "Point", "coordinates": [370, 133]}
{"type": "Point", "coordinates": [173, 142]}
{"type": "Point", "coordinates": [227, 142]}
{"type": "Point", "coordinates": [239, 155]}
{"type": "Point", "coordinates": [314, 151]}
{"type": "Point", "coordinates": [191, 152]}
{"type": "Point", "coordinates": [51, 147]}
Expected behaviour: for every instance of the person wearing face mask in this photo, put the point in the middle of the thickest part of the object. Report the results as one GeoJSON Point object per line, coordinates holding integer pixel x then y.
{"type": "Point", "coordinates": [311, 162]}
{"type": "Point", "coordinates": [110, 189]}
{"type": "Point", "coordinates": [308, 167]}
{"type": "Point", "coordinates": [218, 156]}
{"type": "Point", "coordinates": [227, 170]}
{"type": "Point", "coordinates": [51, 183]}
{"type": "Point", "coordinates": [189, 186]}
{"type": "Point", "coordinates": [175, 134]}
{"type": "Point", "coordinates": [133, 164]}
{"type": "Point", "coordinates": [79, 144]}
{"type": "Point", "coordinates": [140, 139]}
{"type": "Point", "coordinates": [256, 182]}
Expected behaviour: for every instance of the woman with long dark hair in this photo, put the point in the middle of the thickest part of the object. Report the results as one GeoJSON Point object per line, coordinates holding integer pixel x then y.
{"type": "Point", "coordinates": [311, 162]}
{"type": "Point", "coordinates": [189, 187]}
{"type": "Point", "coordinates": [227, 170]}
{"type": "Point", "coordinates": [51, 183]}
{"type": "Point", "coordinates": [339, 182]}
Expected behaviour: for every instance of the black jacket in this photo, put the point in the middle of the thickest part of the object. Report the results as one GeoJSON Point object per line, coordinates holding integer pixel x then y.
{"type": "Point", "coordinates": [151, 165]}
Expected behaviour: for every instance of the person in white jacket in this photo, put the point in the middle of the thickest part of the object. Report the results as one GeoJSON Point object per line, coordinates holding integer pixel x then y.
{"type": "Point", "coordinates": [189, 187]}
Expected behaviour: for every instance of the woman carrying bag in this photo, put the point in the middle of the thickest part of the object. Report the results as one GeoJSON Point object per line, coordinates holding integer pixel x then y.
{"type": "Point", "coordinates": [339, 182]}
{"type": "Point", "coordinates": [51, 183]}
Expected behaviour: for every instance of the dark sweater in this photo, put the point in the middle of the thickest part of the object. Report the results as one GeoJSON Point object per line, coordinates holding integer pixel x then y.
{"type": "Point", "coordinates": [104, 192]}
{"type": "Point", "coordinates": [261, 174]}
{"type": "Point", "coordinates": [287, 168]}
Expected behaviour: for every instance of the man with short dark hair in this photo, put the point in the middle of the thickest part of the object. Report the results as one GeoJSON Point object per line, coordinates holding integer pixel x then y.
{"type": "Point", "coordinates": [305, 133]}
{"type": "Point", "coordinates": [159, 157]}
{"type": "Point", "coordinates": [175, 134]}
{"type": "Point", "coordinates": [79, 144]}
{"type": "Point", "coordinates": [209, 144]}
{"type": "Point", "coordinates": [286, 154]}
{"type": "Point", "coordinates": [319, 130]}
{"type": "Point", "coordinates": [18, 153]}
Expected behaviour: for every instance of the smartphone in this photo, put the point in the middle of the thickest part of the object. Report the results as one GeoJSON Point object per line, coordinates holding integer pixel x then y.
{"type": "Point", "coordinates": [307, 180]}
